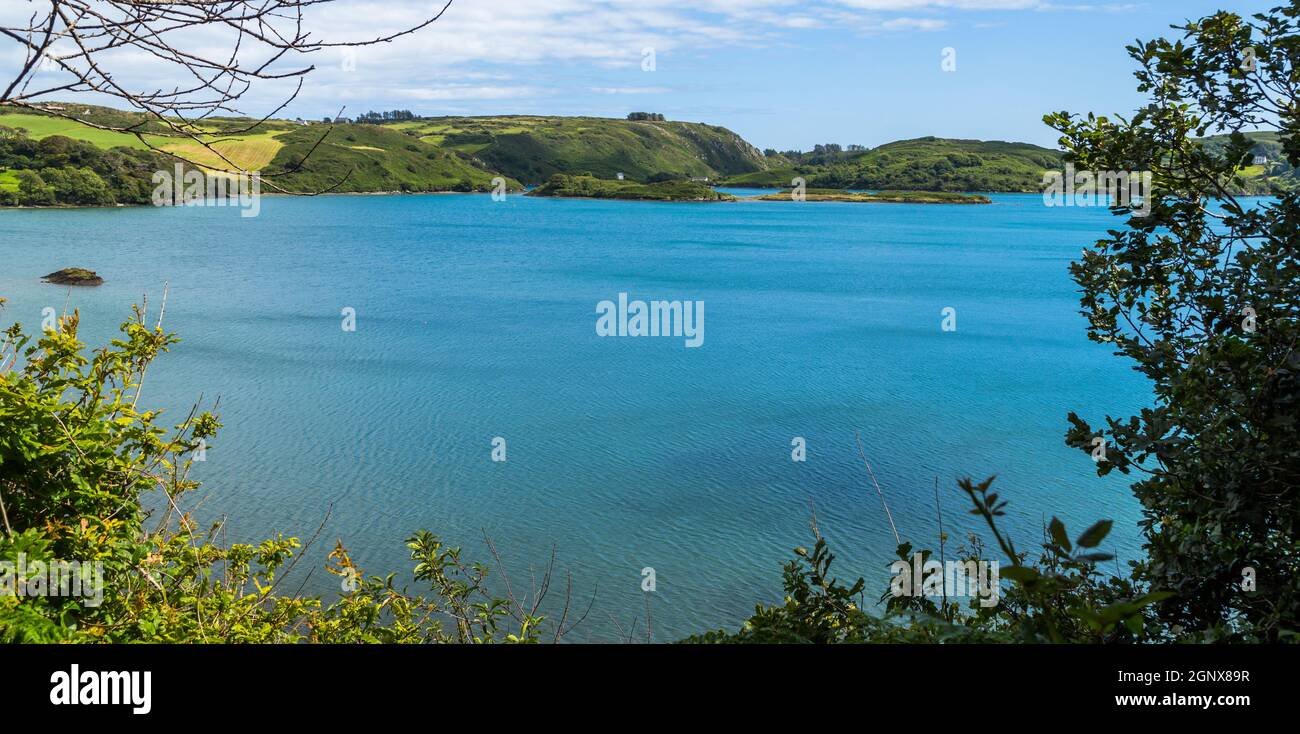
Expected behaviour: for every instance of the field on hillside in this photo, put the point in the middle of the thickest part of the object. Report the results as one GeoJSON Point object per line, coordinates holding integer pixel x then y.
{"type": "Point", "coordinates": [250, 152]}
{"type": "Point", "coordinates": [374, 158]}
{"type": "Point", "coordinates": [43, 126]}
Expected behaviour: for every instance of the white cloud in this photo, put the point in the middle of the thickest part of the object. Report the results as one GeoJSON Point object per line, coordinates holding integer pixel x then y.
{"type": "Point", "coordinates": [631, 90]}
{"type": "Point", "coordinates": [914, 24]}
{"type": "Point", "coordinates": [464, 91]}
{"type": "Point", "coordinates": [477, 49]}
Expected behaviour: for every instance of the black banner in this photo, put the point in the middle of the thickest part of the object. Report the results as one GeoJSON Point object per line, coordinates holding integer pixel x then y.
{"type": "Point", "coordinates": [931, 684]}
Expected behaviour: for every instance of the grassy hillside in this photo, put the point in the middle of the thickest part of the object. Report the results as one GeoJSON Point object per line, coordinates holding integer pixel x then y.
{"type": "Point", "coordinates": [587, 187]}
{"type": "Point", "coordinates": [251, 152]}
{"type": "Point", "coordinates": [375, 158]}
{"type": "Point", "coordinates": [532, 149]}
{"type": "Point", "coordinates": [363, 157]}
{"type": "Point", "coordinates": [43, 126]}
{"type": "Point", "coordinates": [466, 153]}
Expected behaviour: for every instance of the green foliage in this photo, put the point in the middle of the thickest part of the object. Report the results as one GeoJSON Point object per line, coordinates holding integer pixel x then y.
{"type": "Point", "coordinates": [1061, 598]}
{"type": "Point", "coordinates": [56, 170]}
{"type": "Point", "coordinates": [79, 459]}
{"type": "Point", "coordinates": [1274, 174]}
{"type": "Point", "coordinates": [1205, 300]}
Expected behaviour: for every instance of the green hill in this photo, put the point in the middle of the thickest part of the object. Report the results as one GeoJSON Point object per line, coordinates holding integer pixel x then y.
{"type": "Point", "coordinates": [532, 149]}
{"type": "Point", "coordinates": [250, 150]}
{"type": "Point", "coordinates": [466, 153]}
{"type": "Point", "coordinates": [925, 164]}
{"type": "Point", "coordinates": [352, 158]}
{"type": "Point", "coordinates": [939, 164]}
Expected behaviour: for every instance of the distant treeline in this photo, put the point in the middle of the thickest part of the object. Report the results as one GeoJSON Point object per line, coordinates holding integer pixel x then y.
{"type": "Point", "coordinates": [375, 118]}
{"type": "Point", "coordinates": [821, 154]}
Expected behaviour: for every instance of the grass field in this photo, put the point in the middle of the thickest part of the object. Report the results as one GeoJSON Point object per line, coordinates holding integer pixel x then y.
{"type": "Point", "coordinates": [8, 180]}
{"type": "Point", "coordinates": [250, 152]}
{"type": "Point", "coordinates": [42, 126]}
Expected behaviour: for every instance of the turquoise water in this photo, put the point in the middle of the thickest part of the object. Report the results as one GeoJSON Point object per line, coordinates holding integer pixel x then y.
{"type": "Point", "coordinates": [476, 319]}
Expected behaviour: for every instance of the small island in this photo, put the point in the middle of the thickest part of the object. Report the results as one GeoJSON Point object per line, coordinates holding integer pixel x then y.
{"type": "Point", "coordinates": [590, 187]}
{"type": "Point", "coordinates": [885, 197]}
{"type": "Point", "coordinates": [74, 276]}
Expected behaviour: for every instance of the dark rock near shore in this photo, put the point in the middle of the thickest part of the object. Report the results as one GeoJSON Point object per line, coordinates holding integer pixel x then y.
{"type": "Point", "coordinates": [74, 276]}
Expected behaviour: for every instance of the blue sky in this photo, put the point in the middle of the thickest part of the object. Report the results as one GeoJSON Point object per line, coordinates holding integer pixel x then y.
{"type": "Point", "coordinates": [788, 74]}
{"type": "Point", "coordinates": [782, 73]}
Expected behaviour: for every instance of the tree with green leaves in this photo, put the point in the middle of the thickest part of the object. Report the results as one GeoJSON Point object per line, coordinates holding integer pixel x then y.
{"type": "Point", "coordinates": [1203, 295]}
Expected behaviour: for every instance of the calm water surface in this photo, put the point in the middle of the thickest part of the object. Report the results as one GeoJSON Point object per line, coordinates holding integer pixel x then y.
{"type": "Point", "coordinates": [476, 319]}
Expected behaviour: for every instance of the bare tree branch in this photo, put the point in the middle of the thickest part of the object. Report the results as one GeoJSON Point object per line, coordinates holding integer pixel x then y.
{"type": "Point", "coordinates": [78, 44]}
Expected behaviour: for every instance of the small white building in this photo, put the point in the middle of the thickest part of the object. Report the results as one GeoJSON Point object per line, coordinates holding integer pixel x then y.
{"type": "Point", "coordinates": [619, 175]}
{"type": "Point", "coordinates": [1261, 160]}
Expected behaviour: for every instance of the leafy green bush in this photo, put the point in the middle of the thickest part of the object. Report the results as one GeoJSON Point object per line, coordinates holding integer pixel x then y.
{"type": "Point", "coordinates": [78, 458]}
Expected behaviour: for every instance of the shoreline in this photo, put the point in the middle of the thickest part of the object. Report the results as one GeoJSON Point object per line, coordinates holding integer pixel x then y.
{"type": "Point", "coordinates": [737, 199]}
